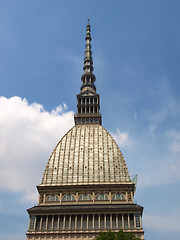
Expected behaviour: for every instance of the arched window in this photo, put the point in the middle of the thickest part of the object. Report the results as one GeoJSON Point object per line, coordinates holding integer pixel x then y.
{"type": "Point", "coordinates": [85, 197]}
{"type": "Point", "coordinates": [101, 197]}
{"type": "Point", "coordinates": [118, 197]}
{"type": "Point", "coordinates": [52, 198]}
{"type": "Point", "coordinates": [69, 198]}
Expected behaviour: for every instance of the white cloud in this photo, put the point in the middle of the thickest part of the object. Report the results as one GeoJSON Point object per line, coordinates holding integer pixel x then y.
{"type": "Point", "coordinates": [121, 138]}
{"type": "Point", "coordinates": [28, 134]}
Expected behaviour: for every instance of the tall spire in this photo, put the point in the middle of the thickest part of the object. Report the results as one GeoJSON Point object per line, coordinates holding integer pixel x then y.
{"type": "Point", "coordinates": [88, 103]}
{"type": "Point", "coordinates": [88, 77]}
{"type": "Point", "coordinates": [88, 62]}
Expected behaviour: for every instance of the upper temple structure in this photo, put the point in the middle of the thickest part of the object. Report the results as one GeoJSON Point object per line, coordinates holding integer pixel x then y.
{"type": "Point", "coordinates": [86, 187]}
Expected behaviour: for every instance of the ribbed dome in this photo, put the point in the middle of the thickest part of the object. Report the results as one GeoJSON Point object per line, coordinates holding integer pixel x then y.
{"type": "Point", "coordinates": [87, 154]}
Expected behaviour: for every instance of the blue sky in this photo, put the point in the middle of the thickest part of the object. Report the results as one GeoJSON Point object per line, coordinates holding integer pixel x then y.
{"type": "Point", "coordinates": [136, 50]}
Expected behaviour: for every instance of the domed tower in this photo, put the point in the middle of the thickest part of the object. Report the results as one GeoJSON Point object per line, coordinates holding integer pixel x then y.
{"type": "Point", "coordinates": [86, 187]}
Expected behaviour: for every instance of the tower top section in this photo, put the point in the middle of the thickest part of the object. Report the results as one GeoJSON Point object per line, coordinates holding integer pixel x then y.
{"type": "Point", "coordinates": [88, 101]}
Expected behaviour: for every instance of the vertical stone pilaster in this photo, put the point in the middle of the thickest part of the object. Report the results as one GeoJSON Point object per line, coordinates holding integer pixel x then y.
{"type": "Point", "coordinates": [60, 198]}
{"type": "Point", "coordinates": [93, 197]}
{"type": "Point", "coordinates": [110, 197]}
{"type": "Point", "coordinates": [132, 196]}
{"type": "Point", "coordinates": [126, 197]}
{"type": "Point", "coordinates": [77, 196]}
{"type": "Point", "coordinates": [44, 200]}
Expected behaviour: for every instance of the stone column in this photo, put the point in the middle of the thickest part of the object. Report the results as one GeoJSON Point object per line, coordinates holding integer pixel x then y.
{"type": "Point", "coordinates": [81, 221]}
{"type": "Point", "coordinates": [40, 227]}
{"type": "Point", "coordinates": [111, 221]}
{"type": "Point", "coordinates": [64, 221]}
{"type": "Point", "coordinates": [69, 222]}
{"type": "Point", "coordinates": [75, 223]}
{"type": "Point", "coordinates": [58, 223]}
{"type": "Point", "coordinates": [105, 221]}
{"type": "Point", "coordinates": [52, 224]}
{"type": "Point", "coordinates": [128, 221]}
{"type": "Point", "coordinates": [99, 221]}
{"type": "Point", "coordinates": [117, 224]}
{"type": "Point", "coordinates": [35, 222]}
{"type": "Point", "coordinates": [87, 221]}
{"type": "Point", "coordinates": [122, 221]}
{"type": "Point", "coordinates": [134, 221]}
{"type": "Point", "coordinates": [140, 221]}
{"type": "Point", "coordinates": [46, 223]}
{"type": "Point", "coordinates": [93, 222]}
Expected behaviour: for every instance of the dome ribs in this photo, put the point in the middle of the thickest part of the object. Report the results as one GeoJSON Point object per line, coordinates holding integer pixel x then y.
{"type": "Point", "coordinates": [87, 154]}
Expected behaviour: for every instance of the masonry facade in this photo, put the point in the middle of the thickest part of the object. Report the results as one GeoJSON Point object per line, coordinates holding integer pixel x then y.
{"type": "Point", "coordinates": [86, 187]}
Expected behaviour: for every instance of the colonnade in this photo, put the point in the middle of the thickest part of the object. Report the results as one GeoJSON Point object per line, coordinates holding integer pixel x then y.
{"type": "Point", "coordinates": [85, 222]}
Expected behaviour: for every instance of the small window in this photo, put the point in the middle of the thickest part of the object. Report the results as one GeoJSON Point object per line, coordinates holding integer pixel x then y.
{"type": "Point", "coordinates": [52, 198]}
{"type": "Point", "coordinates": [32, 221]}
{"type": "Point", "coordinates": [102, 197]}
{"type": "Point", "coordinates": [85, 197]}
{"type": "Point", "coordinates": [137, 216]}
{"type": "Point", "coordinates": [118, 197]}
{"type": "Point", "coordinates": [68, 198]}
